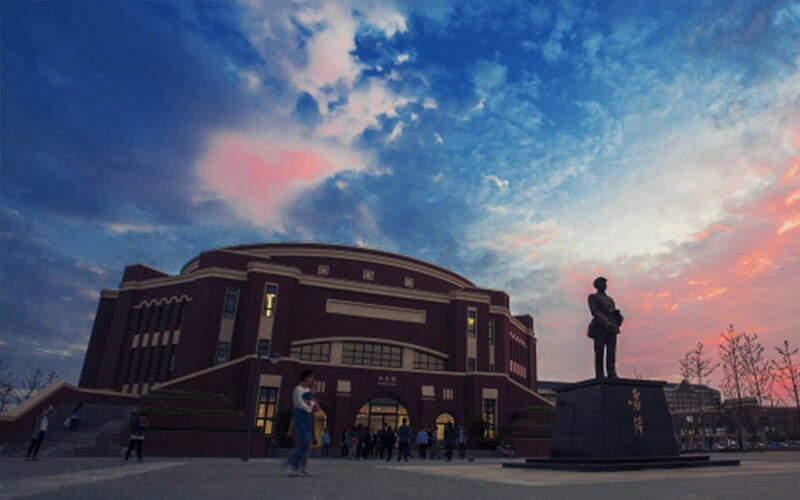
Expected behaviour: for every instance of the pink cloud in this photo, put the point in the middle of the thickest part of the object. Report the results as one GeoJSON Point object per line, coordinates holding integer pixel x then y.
{"type": "Point", "coordinates": [259, 174]}
{"type": "Point", "coordinates": [743, 269]}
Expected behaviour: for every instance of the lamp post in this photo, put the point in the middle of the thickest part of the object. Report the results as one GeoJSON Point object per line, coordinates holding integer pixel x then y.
{"type": "Point", "coordinates": [273, 357]}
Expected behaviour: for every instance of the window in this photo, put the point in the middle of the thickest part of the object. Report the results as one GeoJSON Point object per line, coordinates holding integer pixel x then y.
{"type": "Point", "coordinates": [320, 351]}
{"type": "Point", "coordinates": [149, 325]}
{"type": "Point", "coordinates": [171, 366]}
{"type": "Point", "coordinates": [372, 354]}
{"type": "Point", "coordinates": [323, 270]}
{"type": "Point", "coordinates": [470, 364]}
{"type": "Point", "coordinates": [160, 363]}
{"type": "Point", "coordinates": [472, 319]}
{"type": "Point", "coordinates": [158, 317]}
{"type": "Point", "coordinates": [320, 385]}
{"type": "Point", "coordinates": [180, 315]}
{"type": "Point", "coordinates": [447, 394]}
{"type": "Point", "coordinates": [223, 351]}
{"type": "Point", "coordinates": [368, 275]}
{"type": "Point", "coordinates": [139, 321]}
{"type": "Point", "coordinates": [263, 347]}
{"type": "Point", "coordinates": [130, 366]}
{"type": "Point", "coordinates": [489, 417]}
{"type": "Point", "coordinates": [270, 300]}
{"type": "Point", "coordinates": [139, 364]}
{"type": "Point", "coordinates": [424, 361]}
{"type": "Point", "coordinates": [231, 298]}
{"type": "Point", "coordinates": [491, 332]}
{"type": "Point", "coordinates": [408, 282]}
{"type": "Point", "coordinates": [152, 352]}
{"type": "Point", "coordinates": [170, 310]}
{"type": "Point", "coordinates": [267, 409]}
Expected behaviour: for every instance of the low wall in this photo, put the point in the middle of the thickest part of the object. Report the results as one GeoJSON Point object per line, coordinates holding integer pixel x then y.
{"type": "Point", "coordinates": [201, 444]}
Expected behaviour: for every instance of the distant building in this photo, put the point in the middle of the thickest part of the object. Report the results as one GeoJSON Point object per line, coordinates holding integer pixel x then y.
{"type": "Point", "coordinates": [547, 389]}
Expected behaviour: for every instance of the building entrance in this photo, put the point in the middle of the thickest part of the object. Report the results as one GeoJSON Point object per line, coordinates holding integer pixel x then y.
{"type": "Point", "coordinates": [379, 411]}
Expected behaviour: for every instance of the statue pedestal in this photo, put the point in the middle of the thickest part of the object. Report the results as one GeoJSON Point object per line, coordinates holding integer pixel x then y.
{"type": "Point", "coordinates": [612, 425]}
{"type": "Point", "coordinates": [613, 418]}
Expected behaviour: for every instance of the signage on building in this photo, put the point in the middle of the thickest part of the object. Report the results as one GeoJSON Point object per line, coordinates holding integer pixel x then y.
{"type": "Point", "coordinates": [387, 380]}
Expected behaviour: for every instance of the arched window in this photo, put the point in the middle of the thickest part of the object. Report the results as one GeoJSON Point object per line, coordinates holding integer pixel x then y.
{"type": "Point", "coordinates": [320, 423]}
{"type": "Point", "coordinates": [378, 412]}
{"type": "Point", "coordinates": [442, 420]}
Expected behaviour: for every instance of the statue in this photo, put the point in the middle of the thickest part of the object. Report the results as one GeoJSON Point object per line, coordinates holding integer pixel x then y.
{"type": "Point", "coordinates": [603, 329]}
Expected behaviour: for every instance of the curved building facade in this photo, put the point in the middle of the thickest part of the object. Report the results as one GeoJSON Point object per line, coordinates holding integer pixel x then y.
{"type": "Point", "coordinates": [388, 336]}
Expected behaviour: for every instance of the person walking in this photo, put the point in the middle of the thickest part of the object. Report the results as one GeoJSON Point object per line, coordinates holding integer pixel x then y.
{"type": "Point", "coordinates": [136, 437]}
{"type": "Point", "coordinates": [326, 442]}
{"type": "Point", "coordinates": [388, 442]}
{"type": "Point", "coordinates": [422, 442]}
{"type": "Point", "coordinates": [39, 430]}
{"type": "Point", "coordinates": [343, 443]}
{"type": "Point", "coordinates": [75, 418]}
{"type": "Point", "coordinates": [353, 443]}
{"type": "Point", "coordinates": [449, 440]}
{"type": "Point", "coordinates": [302, 420]}
{"type": "Point", "coordinates": [381, 435]}
{"type": "Point", "coordinates": [434, 443]}
{"type": "Point", "coordinates": [403, 438]}
{"type": "Point", "coordinates": [462, 442]}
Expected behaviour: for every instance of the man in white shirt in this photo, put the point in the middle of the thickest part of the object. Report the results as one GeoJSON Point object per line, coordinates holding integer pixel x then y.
{"type": "Point", "coordinates": [302, 422]}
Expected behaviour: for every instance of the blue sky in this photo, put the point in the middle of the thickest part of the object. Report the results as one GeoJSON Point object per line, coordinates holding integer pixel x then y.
{"type": "Point", "coordinates": [526, 145]}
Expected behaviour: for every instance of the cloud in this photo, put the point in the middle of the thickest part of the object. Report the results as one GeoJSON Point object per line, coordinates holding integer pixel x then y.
{"type": "Point", "coordinates": [402, 58]}
{"type": "Point", "coordinates": [429, 103]}
{"type": "Point", "coordinates": [487, 75]}
{"type": "Point", "coordinates": [46, 300]}
{"type": "Point", "coordinates": [697, 228]}
{"type": "Point", "coordinates": [438, 138]}
{"type": "Point", "coordinates": [501, 184]}
{"type": "Point", "coordinates": [397, 131]}
{"type": "Point", "coordinates": [260, 173]}
{"type": "Point", "coordinates": [552, 48]}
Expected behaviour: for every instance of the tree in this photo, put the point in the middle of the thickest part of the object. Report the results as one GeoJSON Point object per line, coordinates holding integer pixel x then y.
{"type": "Point", "coordinates": [759, 379]}
{"type": "Point", "coordinates": [787, 372]}
{"type": "Point", "coordinates": [7, 386]}
{"type": "Point", "coordinates": [34, 384]}
{"type": "Point", "coordinates": [756, 370]}
{"type": "Point", "coordinates": [730, 354]}
{"type": "Point", "coordinates": [695, 367]}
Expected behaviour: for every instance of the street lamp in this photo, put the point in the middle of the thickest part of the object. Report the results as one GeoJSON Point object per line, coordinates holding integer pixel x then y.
{"type": "Point", "coordinates": [273, 357]}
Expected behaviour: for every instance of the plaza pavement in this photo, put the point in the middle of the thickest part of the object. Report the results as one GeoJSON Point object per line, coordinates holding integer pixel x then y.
{"type": "Point", "coordinates": [762, 476]}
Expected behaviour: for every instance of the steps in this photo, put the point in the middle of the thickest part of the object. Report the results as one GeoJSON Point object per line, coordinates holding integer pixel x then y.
{"type": "Point", "coordinates": [97, 436]}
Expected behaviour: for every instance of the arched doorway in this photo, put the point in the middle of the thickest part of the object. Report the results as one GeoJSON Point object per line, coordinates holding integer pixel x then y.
{"type": "Point", "coordinates": [442, 420]}
{"type": "Point", "coordinates": [378, 412]}
{"type": "Point", "coordinates": [320, 423]}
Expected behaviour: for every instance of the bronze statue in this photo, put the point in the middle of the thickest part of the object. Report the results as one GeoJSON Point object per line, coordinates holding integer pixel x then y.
{"type": "Point", "coordinates": [604, 328]}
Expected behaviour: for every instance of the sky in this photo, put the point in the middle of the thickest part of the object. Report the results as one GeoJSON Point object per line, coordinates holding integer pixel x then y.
{"type": "Point", "coordinates": [528, 146]}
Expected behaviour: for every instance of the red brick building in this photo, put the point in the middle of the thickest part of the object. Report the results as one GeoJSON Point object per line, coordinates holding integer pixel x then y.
{"type": "Point", "coordinates": [389, 336]}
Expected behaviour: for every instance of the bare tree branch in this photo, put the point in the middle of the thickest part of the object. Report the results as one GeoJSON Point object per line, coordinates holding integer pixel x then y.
{"type": "Point", "coordinates": [787, 372]}
{"type": "Point", "coordinates": [7, 386]}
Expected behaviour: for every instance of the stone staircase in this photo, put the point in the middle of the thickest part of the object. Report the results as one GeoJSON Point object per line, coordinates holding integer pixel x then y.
{"type": "Point", "coordinates": [97, 436]}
